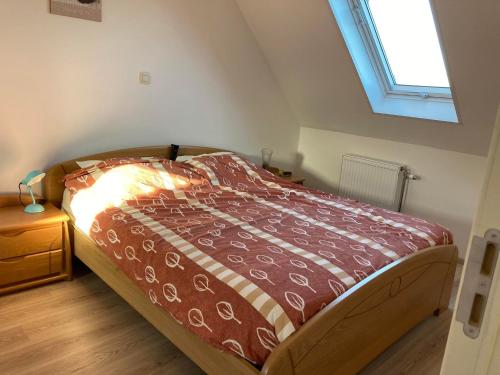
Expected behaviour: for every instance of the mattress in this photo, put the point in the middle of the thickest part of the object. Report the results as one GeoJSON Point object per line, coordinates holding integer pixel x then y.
{"type": "Point", "coordinates": [237, 255]}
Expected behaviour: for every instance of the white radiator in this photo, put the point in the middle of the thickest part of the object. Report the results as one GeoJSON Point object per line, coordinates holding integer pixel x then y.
{"type": "Point", "coordinates": [377, 182]}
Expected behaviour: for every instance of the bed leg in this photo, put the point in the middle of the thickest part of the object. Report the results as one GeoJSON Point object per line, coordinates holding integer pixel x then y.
{"type": "Point", "coordinates": [437, 312]}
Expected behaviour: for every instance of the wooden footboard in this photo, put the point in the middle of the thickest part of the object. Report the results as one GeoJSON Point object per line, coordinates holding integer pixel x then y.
{"type": "Point", "coordinates": [341, 339]}
{"type": "Point", "coordinates": [353, 330]}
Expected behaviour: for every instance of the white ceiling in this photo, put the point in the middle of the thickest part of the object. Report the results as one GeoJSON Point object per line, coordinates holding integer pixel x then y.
{"type": "Point", "coordinates": [307, 53]}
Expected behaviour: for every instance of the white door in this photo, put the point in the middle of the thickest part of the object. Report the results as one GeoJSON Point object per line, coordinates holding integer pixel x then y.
{"type": "Point", "coordinates": [473, 346]}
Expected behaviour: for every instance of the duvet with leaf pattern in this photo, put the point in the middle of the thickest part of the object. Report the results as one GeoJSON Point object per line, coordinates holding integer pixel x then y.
{"type": "Point", "coordinates": [233, 253]}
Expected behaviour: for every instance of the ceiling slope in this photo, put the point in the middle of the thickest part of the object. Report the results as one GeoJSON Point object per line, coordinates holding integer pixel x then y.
{"type": "Point", "coordinates": [307, 53]}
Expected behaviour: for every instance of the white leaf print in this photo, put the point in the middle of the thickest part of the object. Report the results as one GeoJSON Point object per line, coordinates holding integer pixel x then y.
{"type": "Point", "coordinates": [83, 179]}
{"type": "Point", "coordinates": [337, 287]}
{"type": "Point", "coordinates": [200, 282]}
{"type": "Point", "coordinates": [333, 236]}
{"type": "Point", "coordinates": [101, 243]}
{"type": "Point", "coordinates": [207, 242]}
{"type": "Point", "coordinates": [330, 255]}
{"type": "Point", "coordinates": [363, 261]}
{"type": "Point", "coordinates": [130, 254]}
{"type": "Point", "coordinates": [267, 260]}
{"type": "Point", "coordinates": [96, 227]}
{"type": "Point", "coordinates": [148, 246]}
{"type": "Point", "coordinates": [170, 293]}
{"type": "Point", "coordinates": [248, 219]}
{"type": "Point", "coordinates": [149, 274]}
{"type": "Point", "coordinates": [424, 229]}
{"type": "Point", "coordinates": [267, 338]}
{"type": "Point", "coordinates": [301, 241]}
{"type": "Point", "coordinates": [246, 236]}
{"type": "Point", "coordinates": [219, 225]}
{"type": "Point", "coordinates": [234, 346]}
{"type": "Point", "coordinates": [181, 230]}
{"type": "Point", "coordinates": [239, 245]}
{"type": "Point", "coordinates": [300, 264]}
{"type": "Point", "coordinates": [216, 233]}
{"type": "Point", "coordinates": [172, 260]}
{"type": "Point", "coordinates": [350, 220]}
{"type": "Point", "coordinates": [177, 320]}
{"type": "Point", "coordinates": [322, 218]}
{"type": "Point", "coordinates": [297, 302]}
{"type": "Point", "coordinates": [137, 230]}
{"type": "Point", "coordinates": [300, 231]}
{"type": "Point", "coordinates": [119, 217]}
{"type": "Point", "coordinates": [236, 259]}
{"type": "Point", "coordinates": [361, 249]}
{"type": "Point", "coordinates": [300, 280]}
{"type": "Point", "coordinates": [410, 245]}
{"type": "Point", "coordinates": [274, 249]}
{"type": "Point", "coordinates": [276, 221]}
{"type": "Point", "coordinates": [260, 275]}
{"type": "Point", "coordinates": [328, 244]}
{"type": "Point", "coordinates": [378, 229]}
{"type": "Point", "coordinates": [360, 274]}
{"type": "Point", "coordinates": [225, 310]}
{"type": "Point", "coordinates": [270, 228]}
{"type": "Point", "coordinates": [153, 298]}
{"type": "Point", "coordinates": [196, 319]}
{"type": "Point", "coordinates": [380, 240]}
{"type": "Point", "coordinates": [112, 236]}
{"type": "Point", "coordinates": [302, 223]}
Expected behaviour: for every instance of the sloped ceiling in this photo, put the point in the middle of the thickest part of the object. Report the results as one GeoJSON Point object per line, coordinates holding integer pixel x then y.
{"type": "Point", "coordinates": [308, 55]}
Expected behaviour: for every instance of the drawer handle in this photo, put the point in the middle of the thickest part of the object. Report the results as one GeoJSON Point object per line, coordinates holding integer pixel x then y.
{"type": "Point", "coordinates": [12, 234]}
{"type": "Point", "coordinates": [12, 261]}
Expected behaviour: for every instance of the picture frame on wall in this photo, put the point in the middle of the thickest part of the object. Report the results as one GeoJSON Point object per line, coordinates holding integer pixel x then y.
{"type": "Point", "coordinates": [85, 9]}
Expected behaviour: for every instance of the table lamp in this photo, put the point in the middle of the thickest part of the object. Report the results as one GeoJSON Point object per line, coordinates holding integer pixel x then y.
{"type": "Point", "coordinates": [34, 177]}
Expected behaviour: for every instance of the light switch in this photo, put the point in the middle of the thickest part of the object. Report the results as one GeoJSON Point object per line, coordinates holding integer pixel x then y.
{"type": "Point", "coordinates": [145, 78]}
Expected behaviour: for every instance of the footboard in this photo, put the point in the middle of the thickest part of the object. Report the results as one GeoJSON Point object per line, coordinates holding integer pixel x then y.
{"type": "Point", "coordinates": [353, 330]}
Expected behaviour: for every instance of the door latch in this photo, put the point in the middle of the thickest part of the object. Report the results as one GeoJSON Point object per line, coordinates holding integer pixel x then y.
{"type": "Point", "coordinates": [478, 278]}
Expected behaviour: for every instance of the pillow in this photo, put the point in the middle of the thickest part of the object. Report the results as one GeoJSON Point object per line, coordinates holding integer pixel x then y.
{"type": "Point", "coordinates": [87, 163]}
{"type": "Point", "coordinates": [185, 158]}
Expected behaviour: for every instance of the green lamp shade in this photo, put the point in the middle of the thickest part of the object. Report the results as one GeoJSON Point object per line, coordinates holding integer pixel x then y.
{"type": "Point", "coordinates": [31, 179]}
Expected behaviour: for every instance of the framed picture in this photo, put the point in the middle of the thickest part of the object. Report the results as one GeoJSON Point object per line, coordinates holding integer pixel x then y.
{"type": "Point", "coordinates": [87, 9]}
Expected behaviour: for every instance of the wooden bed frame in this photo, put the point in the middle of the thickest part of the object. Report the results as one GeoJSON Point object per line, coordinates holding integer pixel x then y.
{"type": "Point", "coordinates": [341, 339]}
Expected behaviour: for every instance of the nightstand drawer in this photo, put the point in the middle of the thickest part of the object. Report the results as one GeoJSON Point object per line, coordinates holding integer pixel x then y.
{"type": "Point", "coordinates": [16, 244]}
{"type": "Point", "coordinates": [30, 267]}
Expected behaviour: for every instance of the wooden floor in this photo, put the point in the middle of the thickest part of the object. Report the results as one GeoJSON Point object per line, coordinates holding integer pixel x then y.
{"type": "Point", "coordinates": [83, 327]}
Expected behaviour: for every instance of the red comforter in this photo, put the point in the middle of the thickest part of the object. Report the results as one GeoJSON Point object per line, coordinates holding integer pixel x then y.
{"type": "Point", "coordinates": [233, 253]}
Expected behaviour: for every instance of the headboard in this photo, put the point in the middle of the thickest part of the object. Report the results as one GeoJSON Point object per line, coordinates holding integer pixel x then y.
{"type": "Point", "coordinates": [53, 185]}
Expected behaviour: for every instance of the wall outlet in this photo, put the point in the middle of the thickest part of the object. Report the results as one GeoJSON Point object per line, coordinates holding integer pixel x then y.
{"type": "Point", "coordinates": [145, 78]}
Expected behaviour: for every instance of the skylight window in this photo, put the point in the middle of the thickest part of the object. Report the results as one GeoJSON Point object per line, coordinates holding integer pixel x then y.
{"type": "Point", "coordinates": [409, 40]}
{"type": "Point", "coordinates": [397, 53]}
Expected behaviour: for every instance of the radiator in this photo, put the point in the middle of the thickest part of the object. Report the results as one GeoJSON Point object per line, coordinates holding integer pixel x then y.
{"type": "Point", "coordinates": [377, 182]}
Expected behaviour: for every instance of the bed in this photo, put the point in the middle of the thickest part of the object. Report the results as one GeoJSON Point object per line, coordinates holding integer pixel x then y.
{"type": "Point", "coordinates": [338, 337]}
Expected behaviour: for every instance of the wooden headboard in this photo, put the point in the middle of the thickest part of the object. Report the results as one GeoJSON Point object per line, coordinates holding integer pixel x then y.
{"type": "Point", "coordinates": [53, 185]}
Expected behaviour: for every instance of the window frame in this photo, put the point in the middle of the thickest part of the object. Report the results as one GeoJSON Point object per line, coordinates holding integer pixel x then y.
{"type": "Point", "coordinates": [367, 29]}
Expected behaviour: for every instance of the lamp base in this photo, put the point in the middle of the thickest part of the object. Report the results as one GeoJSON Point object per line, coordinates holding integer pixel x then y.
{"type": "Point", "coordinates": [34, 209]}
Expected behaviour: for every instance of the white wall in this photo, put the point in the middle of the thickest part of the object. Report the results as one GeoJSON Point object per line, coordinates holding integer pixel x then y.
{"type": "Point", "coordinates": [69, 87]}
{"type": "Point", "coordinates": [450, 182]}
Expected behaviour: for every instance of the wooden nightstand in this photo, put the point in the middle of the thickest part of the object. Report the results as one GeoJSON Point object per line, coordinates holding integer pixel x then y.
{"type": "Point", "coordinates": [294, 179]}
{"type": "Point", "coordinates": [34, 249]}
